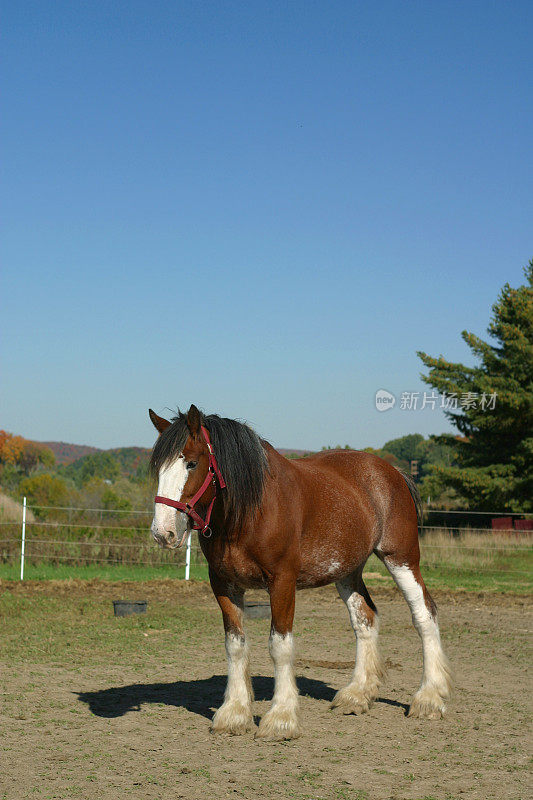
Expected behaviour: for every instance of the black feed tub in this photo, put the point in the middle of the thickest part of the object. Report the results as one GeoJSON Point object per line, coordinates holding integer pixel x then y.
{"type": "Point", "coordinates": [257, 610]}
{"type": "Point", "coordinates": [123, 608]}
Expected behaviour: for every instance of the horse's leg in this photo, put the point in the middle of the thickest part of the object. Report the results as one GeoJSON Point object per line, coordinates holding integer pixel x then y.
{"type": "Point", "coordinates": [429, 700]}
{"type": "Point", "coordinates": [281, 719]}
{"type": "Point", "coordinates": [235, 714]}
{"type": "Point", "coordinates": [358, 696]}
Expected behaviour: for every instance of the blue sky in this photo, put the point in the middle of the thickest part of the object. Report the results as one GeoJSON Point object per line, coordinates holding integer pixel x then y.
{"type": "Point", "coordinates": [261, 208]}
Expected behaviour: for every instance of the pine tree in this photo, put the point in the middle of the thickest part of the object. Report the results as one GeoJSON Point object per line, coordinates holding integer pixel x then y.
{"type": "Point", "coordinates": [494, 455]}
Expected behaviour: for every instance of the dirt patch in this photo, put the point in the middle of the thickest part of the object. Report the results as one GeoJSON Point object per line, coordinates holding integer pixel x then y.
{"type": "Point", "coordinates": [161, 589]}
{"type": "Point", "coordinates": [312, 662]}
{"type": "Point", "coordinates": [112, 708]}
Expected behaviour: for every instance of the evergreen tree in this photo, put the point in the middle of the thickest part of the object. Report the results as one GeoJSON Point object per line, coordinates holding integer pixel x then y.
{"type": "Point", "coordinates": [493, 408]}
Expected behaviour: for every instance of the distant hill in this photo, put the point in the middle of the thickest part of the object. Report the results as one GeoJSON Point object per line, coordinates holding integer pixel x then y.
{"type": "Point", "coordinates": [293, 453]}
{"type": "Point", "coordinates": [129, 457]}
{"type": "Point", "coordinates": [66, 453]}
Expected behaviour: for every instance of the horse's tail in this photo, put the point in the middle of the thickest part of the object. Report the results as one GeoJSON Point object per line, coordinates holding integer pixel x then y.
{"type": "Point", "coordinates": [415, 494]}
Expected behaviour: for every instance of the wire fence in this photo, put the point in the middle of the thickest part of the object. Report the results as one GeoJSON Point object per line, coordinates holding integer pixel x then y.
{"type": "Point", "coordinates": [79, 537]}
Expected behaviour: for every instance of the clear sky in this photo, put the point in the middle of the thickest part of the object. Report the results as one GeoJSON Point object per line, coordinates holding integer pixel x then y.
{"type": "Point", "coordinates": [264, 208]}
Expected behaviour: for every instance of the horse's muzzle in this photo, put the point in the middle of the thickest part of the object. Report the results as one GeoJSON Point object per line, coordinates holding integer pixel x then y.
{"type": "Point", "coordinates": [170, 539]}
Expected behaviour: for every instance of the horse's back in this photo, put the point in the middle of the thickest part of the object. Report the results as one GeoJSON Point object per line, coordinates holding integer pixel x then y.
{"type": "Point", "coordinates": [369, 481]}
{"type": "Point", "coordinates": [352, 465]}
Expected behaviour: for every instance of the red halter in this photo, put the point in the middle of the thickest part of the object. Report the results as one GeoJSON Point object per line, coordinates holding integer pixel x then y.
{"type": "Point", "coordinates": [188, 508]}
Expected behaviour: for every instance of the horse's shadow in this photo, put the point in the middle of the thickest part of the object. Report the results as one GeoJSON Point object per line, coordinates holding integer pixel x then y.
{"type": "Point", "coordinates": [198, 696]}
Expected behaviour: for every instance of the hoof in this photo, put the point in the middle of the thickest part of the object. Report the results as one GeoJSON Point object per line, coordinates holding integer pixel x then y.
{"type": "Point", "coordinates": [352, 701]}
{"type": "Point", "coordinates": [279, 724]}
{"type": "Point", "coordinates": [232, 718]}
{"type": "Point", "coordinates": [427, 704]}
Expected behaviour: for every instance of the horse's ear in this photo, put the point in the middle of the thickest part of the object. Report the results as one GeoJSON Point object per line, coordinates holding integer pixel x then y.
{"type": "Point", "coordinates": [159, 422]}
{"type": "Point", "coordinates": [194, 420]}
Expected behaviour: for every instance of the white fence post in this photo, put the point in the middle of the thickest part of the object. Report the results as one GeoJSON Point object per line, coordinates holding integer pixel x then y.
{"type": "Point", "coordinates": [188, 558]}
{"type": "Point", "coordinates": [23, 540]}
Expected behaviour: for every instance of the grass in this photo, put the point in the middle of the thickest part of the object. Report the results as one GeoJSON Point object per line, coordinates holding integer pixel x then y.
{"type": "Point", "coordinates": [471, 561]}
{"type": "Point", "coordinates": [66, 628]}
{"type": "Point", "coordinates": [43, 571]}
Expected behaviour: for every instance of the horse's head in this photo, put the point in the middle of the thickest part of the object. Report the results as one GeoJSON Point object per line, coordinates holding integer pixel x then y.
{"type": "Point", "coordinates": [181, 463]}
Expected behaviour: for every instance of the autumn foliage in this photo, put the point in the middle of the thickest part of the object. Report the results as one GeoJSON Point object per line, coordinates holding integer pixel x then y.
{"type": "Point", "coordinates": [24, 454]}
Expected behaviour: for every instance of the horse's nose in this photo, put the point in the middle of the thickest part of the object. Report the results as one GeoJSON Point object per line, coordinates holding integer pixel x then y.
{"type": "Point", "coordinates": [159, 537]}
{"type": "Point", "coordinates": [170, 537]}
{"type": "Point", "coordinates": [165, 538]}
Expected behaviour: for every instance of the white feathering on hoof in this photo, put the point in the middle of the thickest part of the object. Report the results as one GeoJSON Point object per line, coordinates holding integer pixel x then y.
{"type": "Point", "coordinates": [235, 714]}
{"type": "Point", "coordinates": [429, 700]}
{"type": "Point", "coordinates": [281, 720]}
{"type": "Point", "coordinates": [358, 696]}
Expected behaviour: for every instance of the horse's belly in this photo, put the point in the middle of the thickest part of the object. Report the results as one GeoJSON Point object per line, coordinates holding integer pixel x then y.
{"type": "Point", "coordinates": [327, 559]}
{"type": "Point", "coordinates": [242, 571]}
{"type": "Point", "coordinates": [309, 578]}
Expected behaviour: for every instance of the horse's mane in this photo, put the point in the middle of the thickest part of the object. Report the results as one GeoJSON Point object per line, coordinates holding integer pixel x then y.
{"type": "Point", "coordinates": [240, 455]}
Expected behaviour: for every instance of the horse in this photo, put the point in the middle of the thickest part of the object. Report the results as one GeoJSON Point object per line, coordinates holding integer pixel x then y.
{"type": "Point", "coordinates": [265, 521]}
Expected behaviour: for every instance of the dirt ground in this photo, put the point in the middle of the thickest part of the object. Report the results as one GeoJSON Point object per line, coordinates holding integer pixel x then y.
{"type": "Point", "coordinates": [121, 708]}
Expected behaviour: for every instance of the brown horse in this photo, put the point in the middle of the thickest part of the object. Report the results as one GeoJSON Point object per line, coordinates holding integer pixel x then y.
{"type": "Point", "coordinates": [284, 525]}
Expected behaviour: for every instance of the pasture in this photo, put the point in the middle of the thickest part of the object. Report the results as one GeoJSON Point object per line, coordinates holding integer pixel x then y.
{"type": "Point", "coordinates": [99, 707]}
{"type": "Point", "coordinates": [474, 559]}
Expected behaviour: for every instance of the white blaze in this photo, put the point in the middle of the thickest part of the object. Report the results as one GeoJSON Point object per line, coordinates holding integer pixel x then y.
{"type": "Point", "coordinates": [172, 479]}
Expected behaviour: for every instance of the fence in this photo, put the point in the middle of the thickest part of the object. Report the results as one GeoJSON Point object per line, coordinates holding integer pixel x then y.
{"type": "Point", "coordinates": [95, 537]}
{"type": "Point", "coordinates": [66, 536]}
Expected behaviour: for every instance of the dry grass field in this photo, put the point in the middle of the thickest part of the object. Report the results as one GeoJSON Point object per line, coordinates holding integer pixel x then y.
{"type": "Point", "coordinates": [98, 707]}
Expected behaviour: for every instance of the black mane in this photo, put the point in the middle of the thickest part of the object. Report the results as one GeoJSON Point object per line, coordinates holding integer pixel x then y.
{"type": "Point", "coordinates": [240, 456]}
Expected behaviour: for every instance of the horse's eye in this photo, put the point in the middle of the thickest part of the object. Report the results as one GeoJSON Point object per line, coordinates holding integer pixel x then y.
{"type": "Point", "coordinates": [192, 464]}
